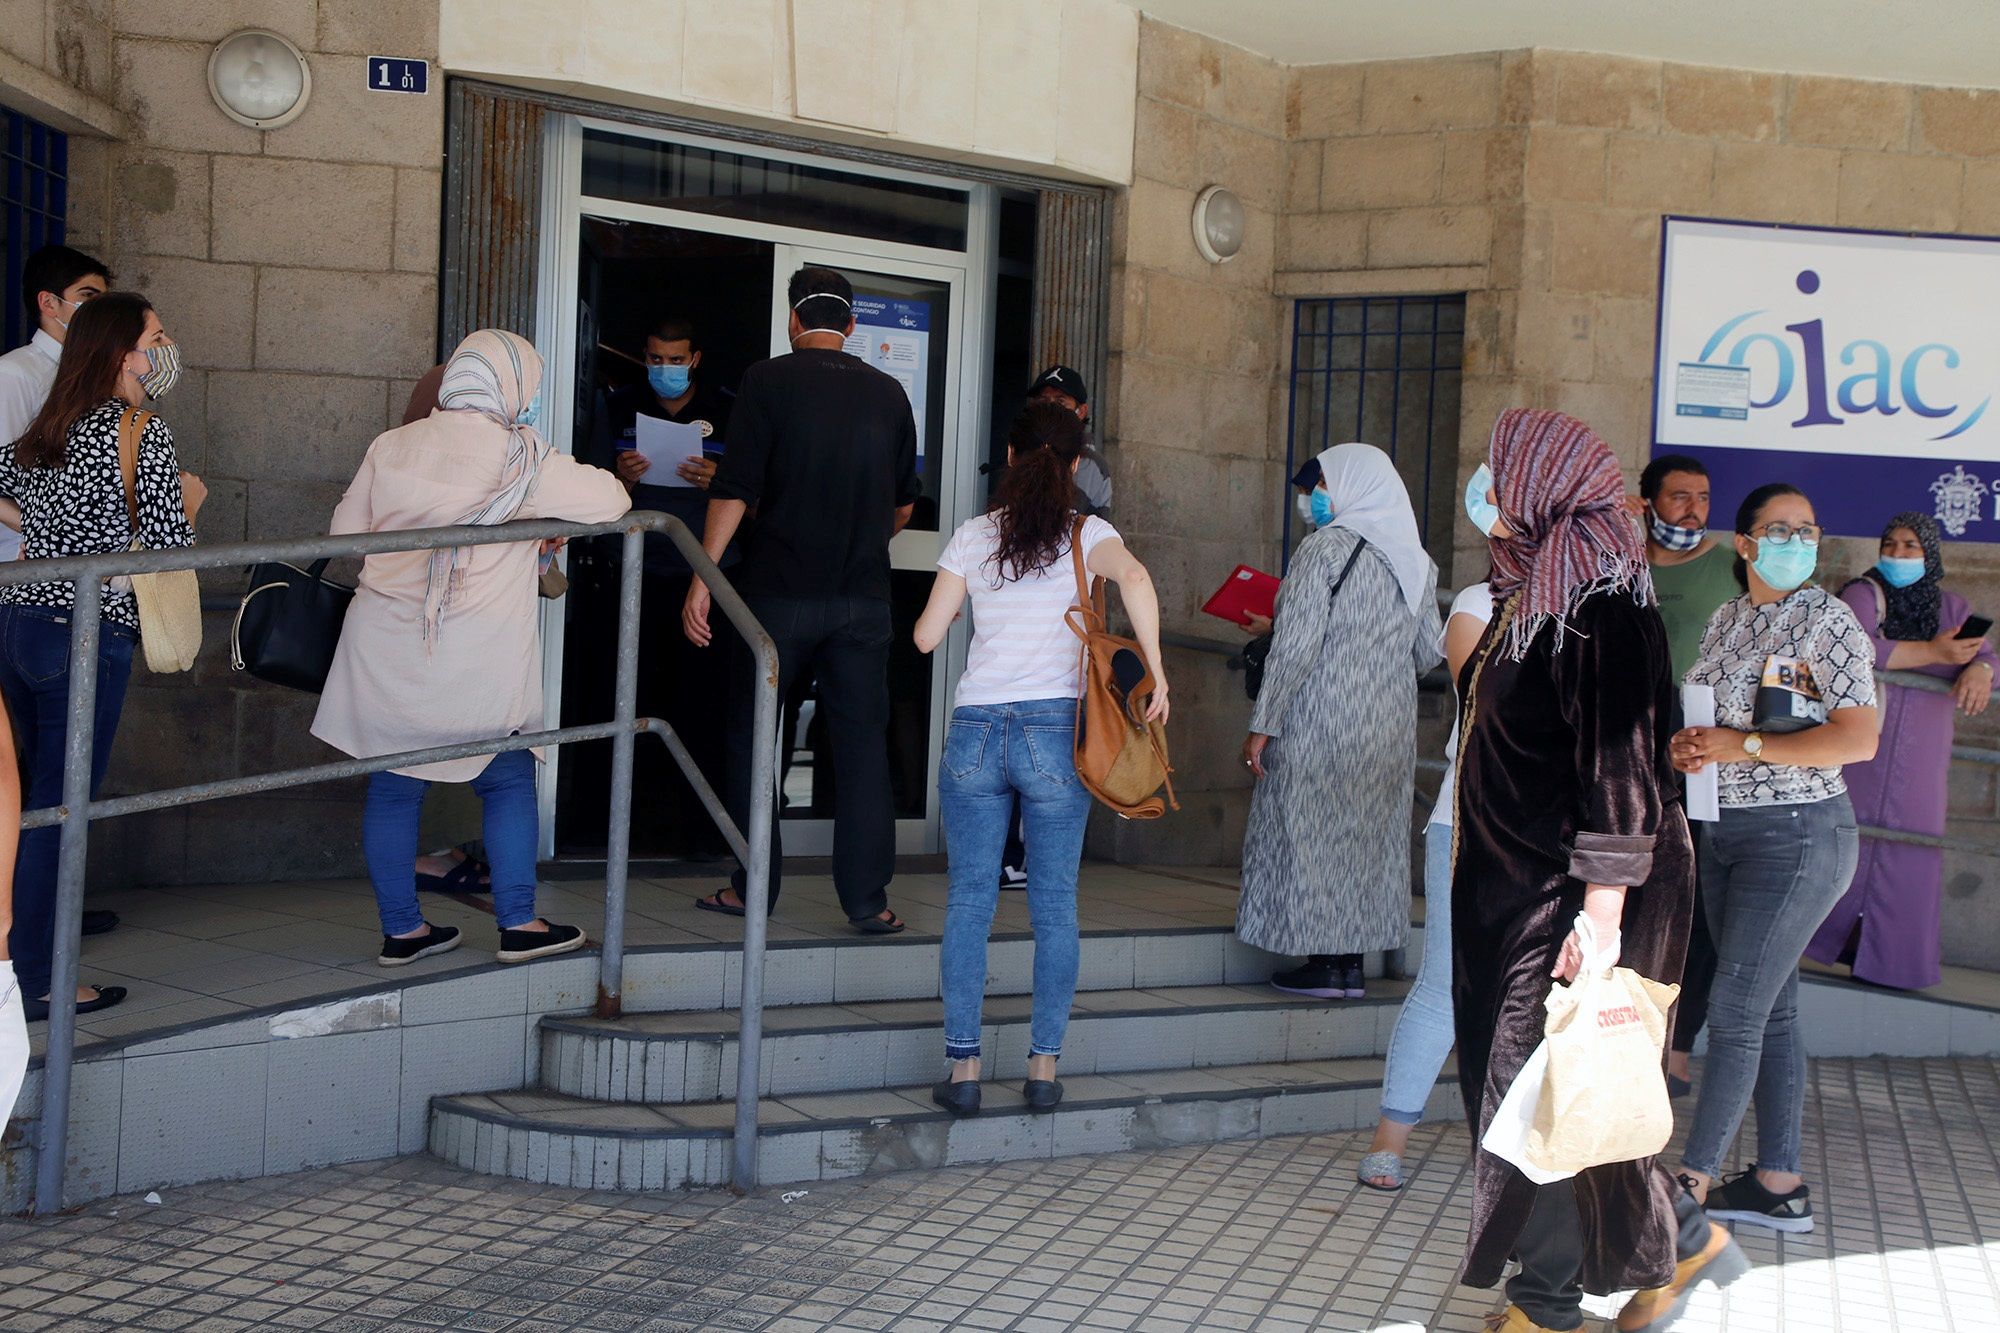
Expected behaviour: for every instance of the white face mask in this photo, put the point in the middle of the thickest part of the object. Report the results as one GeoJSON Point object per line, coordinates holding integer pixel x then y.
{"type": "Point", "coordinates": [1304, 504]}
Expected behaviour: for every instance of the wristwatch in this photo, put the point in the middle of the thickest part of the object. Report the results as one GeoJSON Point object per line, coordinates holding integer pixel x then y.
{"type": "Point", "coordinates": [1753, 744]}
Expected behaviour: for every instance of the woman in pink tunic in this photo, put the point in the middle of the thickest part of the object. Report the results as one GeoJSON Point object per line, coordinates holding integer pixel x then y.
{"type": "Point", "coordinates": [1887, 925]}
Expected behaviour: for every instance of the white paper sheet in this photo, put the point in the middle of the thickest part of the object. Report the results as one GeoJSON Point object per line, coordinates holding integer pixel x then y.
{"type": "Point", "coordinates": [1703, 795]}
{"type": "Point", "coordinates": [666, 445]}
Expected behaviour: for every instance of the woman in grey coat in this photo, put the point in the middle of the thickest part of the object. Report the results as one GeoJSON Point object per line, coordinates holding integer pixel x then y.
{"type": "Point", "coordinates": [1333, 739]}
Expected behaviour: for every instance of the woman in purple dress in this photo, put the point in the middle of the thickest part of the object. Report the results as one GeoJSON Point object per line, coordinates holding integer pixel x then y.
{"type": "Point", "coordinates": [1887, 925]}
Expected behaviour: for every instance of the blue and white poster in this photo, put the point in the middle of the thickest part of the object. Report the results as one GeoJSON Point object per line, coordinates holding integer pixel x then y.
{"type": "Point", "coordinates": [894, 336]}
{"type": "Point", "coordinates": [1858, 366]}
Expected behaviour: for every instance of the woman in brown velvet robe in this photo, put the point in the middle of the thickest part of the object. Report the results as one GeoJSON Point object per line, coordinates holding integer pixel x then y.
{"type": "Point", "coordinates": [1567, 803]}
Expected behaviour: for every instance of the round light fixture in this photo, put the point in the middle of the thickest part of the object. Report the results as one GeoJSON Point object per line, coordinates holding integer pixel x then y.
{"type": "Point", "coordinates": [259, 79]}
{"type": "Point", "coordinates": [1218, 224]}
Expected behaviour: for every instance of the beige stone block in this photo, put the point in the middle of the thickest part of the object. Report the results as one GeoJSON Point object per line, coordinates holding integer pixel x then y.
{"type": "Point", "coordinates": [1566, 165]}
{"type": "Point", "coordinates": [1253, 90]}
{"type": "Point", "coordinates": [1899, 191]}
{"type": "Point", "coordinates": [81, 47]}
{"type": "Point", "coordinates": [208, 308]}
{"type": "Point", "coordinates": [1622, 338]}
{"type": "Point", "coordinates": [265, 426]}
{"type": "Point", "coordinates": [284, 510]}
{"type": "Point", "coordinates": [1097, 89]}
{"type": "Point", "coordinates": [1158, 402]}
{"type": "Point", "coordinates": [398, 402]}
{"type": "Point", "coordinates": [1128, 319]}
{"type": "Point", "coordinates": [1323, 100]}
{"type": "Point", "coordinates": [345, 122]}
{"type": "Point", "coordinates": [1608, 92]}
{"type": "Point", "coordinates": [1381, 171]}
{"type": "Point", "coordinates": [90, 166]}
{"type": "Point", "coordinates": [164, 87]}
{"type": "Point", "coordinates": [1666, 173]}
{"type": "Point", "coordinates": [830, 39]}
{"type": "Point", "coordinates": [1527, 87]}
{"type": "Point", "coordinates": [322, 214]}
{"type": "Point", "coordinates": [1979, 212]}
{"type": "Point", "coordinates": [1188, 322]}
{"type": "Point", "coordinates": [540, 37]}
{"type": "Point", "coordinates": [209, 21]}
{"type": "Point", "coordinates": [378, 28]}
{"type": "Point", "coordinates": [1018, 82]}
{"type": "Point", "coordinates": [1456, 92]}
{"type": "Point", "coordinates": [1619, 413]}
{"type": "Point", "coordinates": [649, 57]}
{"type": "Point", "coordinates": [1538, 245]}
{"type": "Point", "coordinates": [1249, 163]}
{"type": "Point", "coordinates": [1181, 487]}
{"type": "Point", "coordinates": [24, 30]}
{"type": "Point", "coordinates": [730, 54]}
{"type": "Point", "coordinates": [1960, 120]}
{"type": "Point", "coordinates": [1302, 177]}
{"type": "Point", "coordinates": [1416, 237]}
{"type": "Point", "coordinates": [1848, 113]}
{"type": "Point", "coordinates": [1236, 420]}
{"type": "Point", "coordinates": [1159, 228]}
{"type": "Point", "coordinates": [1482, 166]}
{"type": "Point", "coordinates": [1776, 182]}
{"type": "Point", "coordinates": [1552, 335]}
{"type": "Point", "coordinates": [379, 324]}
{"type": "Point", "coordinates": [1607, 250]}
{"type": "Point", "coordinates": [940, 73]}
{"type": "Point", "coordinates": [163, 203]}
{"type": "Point", "coordinates": [1722, 103]}
{"type": "Point", "coordinates": [418, 201]}
{"type": "Point", "coordinates": [1489, 332]}
{"type": "Point", "coordinates": [1176, 65]}
{"type": "Point", "coordinates": [1510, 234]}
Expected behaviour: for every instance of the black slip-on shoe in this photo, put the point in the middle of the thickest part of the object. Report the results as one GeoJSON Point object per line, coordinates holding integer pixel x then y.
{"type": "Point", "coordinates": [99, 922]}
{"type": "Point", "coordinates": [518, 946]}
{"type": "Point", "coordinates": [961, 1098]}
{"type": "Point", "coordinates": [397, 953]}
{"type": "Point", "coordinates": [1043, 1095]}
{"type": "Point", "coordinates": [1743, 1199]}
{"type": "Point", "coordinates": [37, 1011]}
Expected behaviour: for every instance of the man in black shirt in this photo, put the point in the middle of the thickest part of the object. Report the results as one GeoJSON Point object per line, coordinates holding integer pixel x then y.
{"type": "Point", "coordinates": [824, 447]}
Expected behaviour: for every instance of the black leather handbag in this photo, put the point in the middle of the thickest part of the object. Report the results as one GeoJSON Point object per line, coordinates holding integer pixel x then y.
{"type": "Point", "coordinates": [288, 625]}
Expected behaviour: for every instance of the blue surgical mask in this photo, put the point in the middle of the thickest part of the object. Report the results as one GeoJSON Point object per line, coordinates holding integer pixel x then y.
{"type": "Point", "coordinates": [1785, 566]}
{"type": "Point", "coordinates": [669, 381]}
{"type": "Point", "coordinates": [1322, 507]}
{"type": "Point", "coordinates": [1482, 511]}
{"type": "Point", "coordinates": [1899, 572]}
{"type": "Point", "coordinates": [532, 413]}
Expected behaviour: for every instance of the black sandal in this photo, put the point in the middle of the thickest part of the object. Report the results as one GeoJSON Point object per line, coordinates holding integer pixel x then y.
{"type": "Point", "coordinates": [37, 1011]}
{"type": "Point", "coordinates": [714, 903]}
{"type": "Point", "coordinates": [875, 925]}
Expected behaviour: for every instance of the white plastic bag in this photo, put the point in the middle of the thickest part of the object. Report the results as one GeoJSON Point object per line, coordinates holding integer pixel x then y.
{"type": "Point", "coordinates": [13, 1041]}
{"type": "Point", "coordinates": [1514, 1119]}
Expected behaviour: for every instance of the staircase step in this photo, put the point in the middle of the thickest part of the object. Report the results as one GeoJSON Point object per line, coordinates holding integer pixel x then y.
{"type": "Point", "coordinates": [671, 1058]}
{"type": "Point", "coordinates": [554, 1138]}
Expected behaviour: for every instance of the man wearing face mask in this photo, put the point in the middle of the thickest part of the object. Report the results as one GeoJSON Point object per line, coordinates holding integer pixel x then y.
{"type": "Point", "coordinates": [1064, 387]}
{"type": "Point", "coordinates": [55, 282]}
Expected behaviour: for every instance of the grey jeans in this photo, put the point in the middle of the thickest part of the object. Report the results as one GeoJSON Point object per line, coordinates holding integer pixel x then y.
{"type": "Point", "coordinates": [1769, 876]}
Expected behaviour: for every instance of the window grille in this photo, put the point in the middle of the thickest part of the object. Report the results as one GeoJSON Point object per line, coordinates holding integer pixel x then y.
{"type": "Point", "coordinates": [34, 199]}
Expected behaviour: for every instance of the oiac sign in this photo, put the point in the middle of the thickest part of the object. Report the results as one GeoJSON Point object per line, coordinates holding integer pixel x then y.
{"type": "Point", "coordinates": [1859, 367]}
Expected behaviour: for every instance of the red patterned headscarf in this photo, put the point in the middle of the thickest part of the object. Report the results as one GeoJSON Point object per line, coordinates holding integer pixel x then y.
{"type": "Point", "coordinates": [1563, 496]}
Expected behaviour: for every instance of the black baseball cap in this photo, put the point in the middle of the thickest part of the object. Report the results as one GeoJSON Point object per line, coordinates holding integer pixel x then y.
{"type": "Point", "coordinates": [1063, 380]}
{"type": "Point", "coordinates": [1308, 475]}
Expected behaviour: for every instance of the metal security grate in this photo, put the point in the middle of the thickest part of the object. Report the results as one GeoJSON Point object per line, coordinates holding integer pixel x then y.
{"type": "Point", "coordinates": [34, 200]}
{"type": "Point", "coordinates": [1384, 370]}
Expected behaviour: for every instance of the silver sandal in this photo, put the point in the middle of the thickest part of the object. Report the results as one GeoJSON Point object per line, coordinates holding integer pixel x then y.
{"type": "Point", "coordinates": [1378, 1165]}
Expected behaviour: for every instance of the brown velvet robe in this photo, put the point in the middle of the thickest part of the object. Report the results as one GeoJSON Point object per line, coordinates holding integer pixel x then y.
{"type": "Point", "coordinates": [1563, 780]}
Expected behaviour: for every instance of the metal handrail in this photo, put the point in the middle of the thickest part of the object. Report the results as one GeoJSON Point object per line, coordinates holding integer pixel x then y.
{"type": "Point", "coordinates": [752, 846]}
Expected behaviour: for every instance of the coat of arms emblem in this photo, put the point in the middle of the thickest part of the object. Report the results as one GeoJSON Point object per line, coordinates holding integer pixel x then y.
{"type": "Point", "coordinates": [1958, 495]}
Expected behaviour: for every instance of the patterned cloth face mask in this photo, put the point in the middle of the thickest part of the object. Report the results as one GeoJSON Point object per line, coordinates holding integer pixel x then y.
{"type": "Point", "coordinates": [1668, 537]}
{"type": "Point", "coordinates": [165, 361]}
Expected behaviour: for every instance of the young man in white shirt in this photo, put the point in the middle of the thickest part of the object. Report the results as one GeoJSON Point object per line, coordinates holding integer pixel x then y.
{"type": "Point", "coordinates": [54, 282]}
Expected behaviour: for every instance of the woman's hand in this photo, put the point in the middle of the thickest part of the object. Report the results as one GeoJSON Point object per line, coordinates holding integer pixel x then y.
{"type": "Point", "coordinates": [1947, 649]}
{"type": "Point", "coordinates": [1604, 908]}
{"type": "Point", "coordinates": [1697, 747]}
{"type": "Point", "coordinates": [1258, 625]}
{"type": "Point", "coordinates": [1974, 688]}
{"type": "Point", "coordinates": [193, 492]}
{"type": "Point", "coordinates": [1253, 752]}
{"type": "Point", "coordinates": [1156, 704]}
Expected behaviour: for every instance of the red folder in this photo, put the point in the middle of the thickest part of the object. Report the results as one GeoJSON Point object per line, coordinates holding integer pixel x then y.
{"type": "Point", "coordinates": [1244, 593]}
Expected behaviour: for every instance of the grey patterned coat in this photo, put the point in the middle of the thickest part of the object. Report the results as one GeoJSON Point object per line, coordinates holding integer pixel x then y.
{"type": "Point", "coordinates": [1326, 857]}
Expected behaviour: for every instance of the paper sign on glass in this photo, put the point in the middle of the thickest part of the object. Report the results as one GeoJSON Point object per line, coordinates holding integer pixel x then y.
{"type": "Point", "coordinates": [1703, 793]}
{"type": "Point", "coordinates": [666, 445]}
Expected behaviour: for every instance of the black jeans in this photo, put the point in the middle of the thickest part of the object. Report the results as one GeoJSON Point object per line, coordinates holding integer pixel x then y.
{"type": "Point", "coordinates": [1550, 1249]}
{"type": "Point", "coordinates": [844, 642]}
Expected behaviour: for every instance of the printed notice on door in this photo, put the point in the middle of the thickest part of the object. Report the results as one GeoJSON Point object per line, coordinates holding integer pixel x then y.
{"type": "Point", "coordinates": [1702, 390]}
{"type": "Point", "coordinates": [894, 336]}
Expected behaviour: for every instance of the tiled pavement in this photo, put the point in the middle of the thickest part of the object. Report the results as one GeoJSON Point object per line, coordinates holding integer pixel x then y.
{"type": "Point", "coordinates": [1271, 1235]}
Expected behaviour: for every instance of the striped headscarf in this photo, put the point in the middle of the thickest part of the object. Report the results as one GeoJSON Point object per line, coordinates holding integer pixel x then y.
{"type": "Point", "coordinates": [497, 375]}
{"type": "Point", "coordinates": [1561, 493]}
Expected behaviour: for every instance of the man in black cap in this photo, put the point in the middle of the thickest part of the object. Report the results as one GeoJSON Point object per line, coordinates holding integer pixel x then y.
{"type": "Point", "coordinates": [1060, 384]}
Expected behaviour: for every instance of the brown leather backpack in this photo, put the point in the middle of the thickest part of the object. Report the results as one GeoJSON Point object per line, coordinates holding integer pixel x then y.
{"type": "Point", "coordinates": [1120, 757]}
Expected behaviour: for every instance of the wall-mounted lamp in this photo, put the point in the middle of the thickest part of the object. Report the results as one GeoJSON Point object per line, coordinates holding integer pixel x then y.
{"type": "Point", "coordinates": [1218, 224]}
{"type": "Point", "coordinates": [259, 79]}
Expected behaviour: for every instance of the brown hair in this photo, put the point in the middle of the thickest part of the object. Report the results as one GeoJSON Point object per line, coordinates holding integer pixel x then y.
{"type": "Point", "coordinates": [1032, 505]}
{"type": "Point", "coordinates": [101, 335]}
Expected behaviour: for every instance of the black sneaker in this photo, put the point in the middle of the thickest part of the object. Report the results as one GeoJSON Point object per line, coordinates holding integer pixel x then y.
{"type": "Point", "coordinates": [1743, 1198]}
{"type": "Point", "coordinates": [1354, 980]}
{"type": "Point", "coordinates": [1013, 877]}
{"type": "Point", "coordinates": [99, 922]}
{"type": "Point", "coordinates": [1321, 979]}
{"type": "Point", "coordinates": [518, 946]}
{"type": "Point", "coordinates": [396, 953]}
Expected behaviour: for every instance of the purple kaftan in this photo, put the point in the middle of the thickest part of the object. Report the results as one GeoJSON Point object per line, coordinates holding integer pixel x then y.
{"type": "Point", "coordinates": [1895, 896]}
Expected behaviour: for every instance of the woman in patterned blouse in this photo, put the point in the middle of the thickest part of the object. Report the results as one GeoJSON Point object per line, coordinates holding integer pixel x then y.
{"type": "Point", "coordinates": [64, 472]}
{"type": "Point", "coordinates": [1788, 658]}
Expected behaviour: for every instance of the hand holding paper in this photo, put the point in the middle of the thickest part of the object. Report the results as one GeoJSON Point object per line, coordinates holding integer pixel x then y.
{"type": "Point", "coordinates": [665, 445]}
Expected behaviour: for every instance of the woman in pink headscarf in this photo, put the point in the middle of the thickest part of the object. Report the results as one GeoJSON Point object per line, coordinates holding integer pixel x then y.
{"type": "Point", "coordinates": [1567, 804]}
{"type": "Point", "coordinates": [445, 646]}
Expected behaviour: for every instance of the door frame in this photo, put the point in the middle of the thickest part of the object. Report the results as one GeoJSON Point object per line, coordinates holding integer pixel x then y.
{"type": "Point", "coordinates": [974, 273]}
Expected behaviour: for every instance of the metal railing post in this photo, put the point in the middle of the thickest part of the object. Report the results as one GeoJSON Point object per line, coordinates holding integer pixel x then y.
{"type": "Point", "coordinates": [756, 904]}
{"type": "Point", "coordinates": [618, 848]}
{"type": "Point", "coordinates": [78, 743]}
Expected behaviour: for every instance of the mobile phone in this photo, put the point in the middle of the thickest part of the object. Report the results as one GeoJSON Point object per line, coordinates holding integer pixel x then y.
{"type": "Point", "coordinates": [1975, 627]}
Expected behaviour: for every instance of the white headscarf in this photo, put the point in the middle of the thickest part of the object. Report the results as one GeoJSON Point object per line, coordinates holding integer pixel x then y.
{"type": "Point", "coordinates": [497, 375]}
{"type": "Point", "coordinates": [1368, 497]}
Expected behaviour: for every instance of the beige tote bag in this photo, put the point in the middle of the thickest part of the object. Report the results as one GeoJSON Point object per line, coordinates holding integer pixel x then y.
{"type": "Point", "coordinates": [169, 603]}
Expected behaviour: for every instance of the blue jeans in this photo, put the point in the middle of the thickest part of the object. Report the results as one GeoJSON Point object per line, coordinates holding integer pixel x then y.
{"type": "Point", "coordinates": [34, 676]}
{"type": "Point", "coordinates": [1424, 1032]}
{"type": "Point", "coordinates": [1769, 876]}
{"type": "Point", "coordinates": [389, 829]}
{"type": "Point", "coordinates": [991, 753]}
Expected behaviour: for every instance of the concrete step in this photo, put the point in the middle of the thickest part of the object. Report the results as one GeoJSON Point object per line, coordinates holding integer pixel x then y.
{"type": "Point", "coordinates": [554, 1138]}
{"type": "Point", "coordinates": [671, 1058]}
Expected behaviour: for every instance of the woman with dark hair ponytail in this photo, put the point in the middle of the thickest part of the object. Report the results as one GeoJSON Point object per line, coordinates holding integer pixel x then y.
{"type": "Point", "coordinates": [1013, 733]}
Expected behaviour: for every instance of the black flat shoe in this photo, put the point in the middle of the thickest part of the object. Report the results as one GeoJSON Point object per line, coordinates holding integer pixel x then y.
{"type": "Point", "coordinates": [1043, 1095]}
{"type": "Point", "coordinates": [399, 953]}
{"type": "Point", "coordinates": [99, 922]}
{"type": "Point", "coordinates": [520, 946]}
{"type": "Point", "coordinates": [961, 1099]}
{"type": "Point", "coordinates": [37, 1011]}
